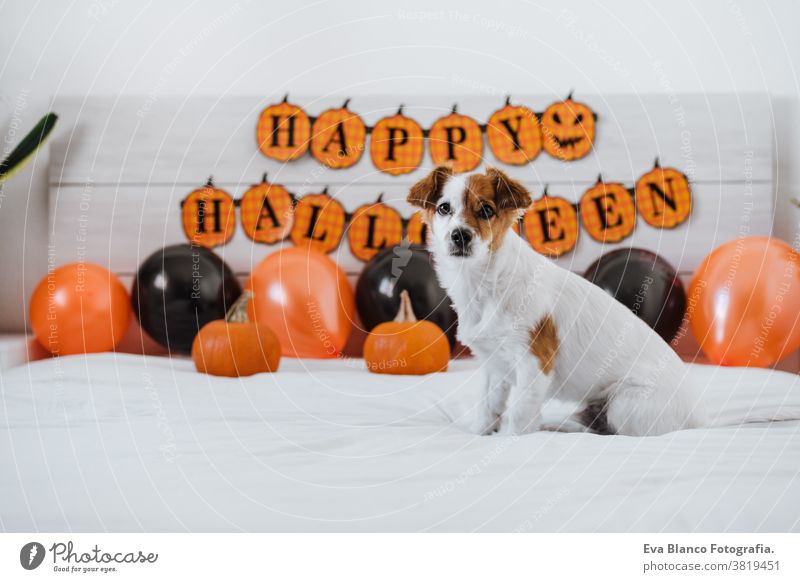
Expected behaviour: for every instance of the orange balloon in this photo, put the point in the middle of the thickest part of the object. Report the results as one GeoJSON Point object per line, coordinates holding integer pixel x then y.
{"type": "Point", "coordinates": [80, 308]}
{"type": "Point", "coordinates": [305, 298]}
{"type": "Point", "coordinates": [744, 302]}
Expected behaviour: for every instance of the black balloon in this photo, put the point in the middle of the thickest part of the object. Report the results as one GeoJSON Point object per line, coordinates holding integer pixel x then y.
{"type": "Point", "coordinates": [179, 289]}
{"type": "Point", "coordinates": [646, 284]}
{"type": "Point", "coordinates": [403, 268]}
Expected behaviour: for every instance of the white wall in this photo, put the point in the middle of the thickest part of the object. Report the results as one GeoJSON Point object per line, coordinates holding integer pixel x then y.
{"type": "Point", "coordinates": [153, 48]}
{"type": "Point", "coordinates": [111, 46]}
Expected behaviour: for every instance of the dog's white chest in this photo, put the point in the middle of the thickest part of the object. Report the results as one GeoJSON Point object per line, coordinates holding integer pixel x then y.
{"type": "Point", "coordinates": [485, 327]}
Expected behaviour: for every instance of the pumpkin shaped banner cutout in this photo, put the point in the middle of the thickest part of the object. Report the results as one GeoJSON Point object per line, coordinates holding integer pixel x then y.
{"type": "Point", "coordinates": [551, 225]}
{"type": "Point", "coordinates": [663, 197]}
{"type": "Point", "coordinates": [208, 216]}
{"type": "Point", "coordinates": [266, 212]}
{"type": "Point", "coordinates": [416, 229]}
{"type": "Point", "coordinates": [456, 141]}
{"type": "Point", "coordinates": [514, 135]}
{"type": "Point", "coordinates": [568, 129]}
{"type": "Point", "coordinates": [608, 212]}
{"type": "Point", "coordinates": [319, 222]}
{"type": "Point", "coordinates": [283, 131]}
{"type": "Point", "coordinates": [338, 137]}
{"type": "Point", "coordinates": [397, 144]}
{"type": "Point", "coordinates": [374, 227]}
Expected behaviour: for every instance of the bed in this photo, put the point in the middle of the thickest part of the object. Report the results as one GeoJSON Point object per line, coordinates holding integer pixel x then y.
{"type": "Point", "coordinates": [119, 442]}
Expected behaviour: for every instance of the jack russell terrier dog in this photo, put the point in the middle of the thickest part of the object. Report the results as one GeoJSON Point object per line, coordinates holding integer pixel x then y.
{"type": "Point", "coordinates": [539, 330]}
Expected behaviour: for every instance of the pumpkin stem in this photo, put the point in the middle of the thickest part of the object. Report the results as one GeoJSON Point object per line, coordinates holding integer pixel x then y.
{"type": "Point", "coordinates": [285, 98]}
{"type": "Point", "coordinates": [657, 163]}
{"type": "Point", "coordinates": [400, 109]}
{"type": "Point", "coordinates": [508, 100]}
{"type": "Point", "coordinates": [210, 182]}
{"type": "Point", "coordinates": [599, 178]}
{"type": "Point", "coordinates": [455, 108]}
{"type": "Point", "coordinates": [380, 199]}
{"type": "Point", "coordinates": [346, 103]}
{"type": "Point", "coordinates": [544, 194]}
{"type": "Point", "coordinates": [238, 311]}
{"type": "Point", "coordinates": [406, 313]}
{"type": "Point", "coordinates": [569, 97]}
{"type": "Point", "coordinates": [264, 178]}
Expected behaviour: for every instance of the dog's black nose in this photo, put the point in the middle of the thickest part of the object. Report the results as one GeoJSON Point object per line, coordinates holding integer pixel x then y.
{"type": "Point", "coordinates": [461, 238]}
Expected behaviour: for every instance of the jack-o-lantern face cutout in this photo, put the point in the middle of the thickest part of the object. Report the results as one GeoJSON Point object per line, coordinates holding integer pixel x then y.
{"type": "Point", "coordinates": [397, 144]}
{"type": "Point", "coordinates": [318, 222]}
{"type": "Point", "coordinates": [568, 130]}
{"type": "Point", "coordinates": [266, 212]}
{"type": "Point", "coordinates": [283, 131]}
{"type": "Point", "coordinates": [456, 141]}
{"type": "Point", "coordinates": [514, 135]}
{"type": "Point", "coordinates": [607, 212]}
{"type": "Point", "coordinates": [663, 197]}
{"type": "Point", "coordinates": [417, 230]}
{"type": "Point", "coordinates": [209, 216]}
{"type": "Point", "coordinates": [551, 225]}
{"type": "Point", "coordinates": [338, 138]}
{"type": "Point", "coordinates": [372, 228]}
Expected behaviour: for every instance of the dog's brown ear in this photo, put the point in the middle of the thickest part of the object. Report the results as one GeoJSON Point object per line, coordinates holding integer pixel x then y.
{"type": "Point", "coordinates": [508, 193]}
{"type": "Point", "coordinates": [427, 191]}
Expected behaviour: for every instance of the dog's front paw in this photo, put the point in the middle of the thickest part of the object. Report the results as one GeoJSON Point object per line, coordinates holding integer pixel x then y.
{"type": "Point", "coordinates": [486, 423]}
{"type": "Point", "coordinates": [515, 425]}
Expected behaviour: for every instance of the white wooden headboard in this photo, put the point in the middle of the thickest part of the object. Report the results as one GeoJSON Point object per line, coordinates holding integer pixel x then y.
{"type": "Point", "coordinates": [121, 166]}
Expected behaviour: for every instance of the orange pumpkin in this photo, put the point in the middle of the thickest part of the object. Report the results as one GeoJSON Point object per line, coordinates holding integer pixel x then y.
{"type": "Point", "coordinates": [266, 212]}
{"type": "Point", "coordinates": [416, 229]}
{"type": "Point", "coordinates": [373, 228]}
{"type": "Point", "coordinates": [568, 129]}
{"type": "Point", "coordinates": [405, 345]}
{"type": "Point", "coordinates": [235, 346]}
{"type": "Point", "coordinates": [338, 137]}
{"type": "Point", "coordinates": [456, 141]}
{"type": "Point", "coordinates": [397, 144]}
{"type": "Point", "coordinates": [663, 197]}
{"type": "Point", "coordinates": [283, 131]}
{"type": "Point", "coordinates": [318, 222]}
{"type": "Point", "coordinates": [514, 134]}
{"type": "Point", "coordinates": [551, 225]}
{"type": "Point", "coordinates": [209, 216]}
{"type": "Point", "coordinates": [607, 212]}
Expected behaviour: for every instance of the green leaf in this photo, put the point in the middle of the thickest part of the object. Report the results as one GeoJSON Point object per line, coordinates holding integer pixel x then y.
{"type": "Point", "coordinates": [27, 147]}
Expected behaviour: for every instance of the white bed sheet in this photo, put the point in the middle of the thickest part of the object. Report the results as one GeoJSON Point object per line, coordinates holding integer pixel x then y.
{"type": "Point", "coordinates": [127, 443]}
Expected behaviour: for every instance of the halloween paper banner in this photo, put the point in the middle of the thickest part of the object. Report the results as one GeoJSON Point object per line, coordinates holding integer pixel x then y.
{"type": "Point", "coordinates": [270, 214]}
{"type": "Point", "coordinates": [607, 211]}
{"type": "Point", "coordinates": [515, 134]}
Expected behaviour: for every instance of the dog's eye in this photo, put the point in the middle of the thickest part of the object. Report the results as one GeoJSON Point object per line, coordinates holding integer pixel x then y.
{"type": "Point", "coordinates": [443, 209]}
{"type": "Point", "coordinates": [486, 212]}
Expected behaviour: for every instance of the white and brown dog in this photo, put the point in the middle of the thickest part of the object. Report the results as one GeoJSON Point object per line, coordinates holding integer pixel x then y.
{"type": "Point", "coordinates": [539, 330]}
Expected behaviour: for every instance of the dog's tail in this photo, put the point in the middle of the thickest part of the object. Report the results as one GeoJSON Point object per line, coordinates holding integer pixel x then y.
{"type": "Point", "coordinates": [736, 417]}
{"type": "Point", "coordinates": [736, 396]}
